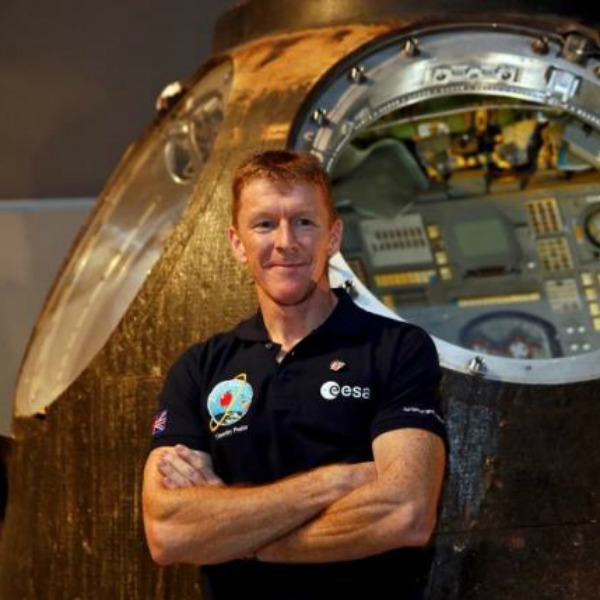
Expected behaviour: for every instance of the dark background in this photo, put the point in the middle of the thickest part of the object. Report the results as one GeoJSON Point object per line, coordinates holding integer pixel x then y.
{"type": "Point", "coordinates": [78, 81]}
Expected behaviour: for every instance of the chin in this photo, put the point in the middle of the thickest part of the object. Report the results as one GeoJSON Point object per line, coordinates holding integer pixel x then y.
{"type": "Point", "coordinates": [291, 297]}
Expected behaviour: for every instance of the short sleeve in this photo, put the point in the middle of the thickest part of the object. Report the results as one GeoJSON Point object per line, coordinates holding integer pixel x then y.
{"type": "Point", "coordinates": [178, 419]}
{"type": "Point", "coordinates": [410, 384]}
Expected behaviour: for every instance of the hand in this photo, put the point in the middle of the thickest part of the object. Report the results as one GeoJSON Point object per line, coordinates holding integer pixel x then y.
{"type": "Point", "coordinates": [182, 467]}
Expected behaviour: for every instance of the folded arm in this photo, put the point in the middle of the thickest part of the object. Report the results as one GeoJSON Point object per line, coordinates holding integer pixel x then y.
{"type": "Point", "coordinates": [204, 522]}
{"type": "Point", "coordinates": [397, 509]}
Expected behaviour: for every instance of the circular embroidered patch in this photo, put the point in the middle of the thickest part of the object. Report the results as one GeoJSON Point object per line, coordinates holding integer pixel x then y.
{"type": "Point", "coordinates": [229, 401]}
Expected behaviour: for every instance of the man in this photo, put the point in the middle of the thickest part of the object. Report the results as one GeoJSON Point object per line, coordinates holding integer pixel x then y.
{"type": "Point", "coordinates": [302, 452]}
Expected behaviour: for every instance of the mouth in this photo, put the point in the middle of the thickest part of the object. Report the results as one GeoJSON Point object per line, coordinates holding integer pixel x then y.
{"type": "Point", "coordinates": [288, 265]}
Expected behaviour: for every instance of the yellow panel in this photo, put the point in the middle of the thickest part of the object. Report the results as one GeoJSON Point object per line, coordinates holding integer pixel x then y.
{"type": "Point", "coordinates": [445, 274]}
{"type": "Point", "coordinates": [586, 279]}
{"type": "Point", "coordinates": [433, 231]}
{"type": "Point", "coordinates": [401, 279]}
{"type": "Point", "coordinates": [591, 294]}
{"type": "Point", "coordinates": [493, 300]}
{"type": "Point", "coordinates": [544, 216]}
{"type": "Point", "coordinates": [388, 300]}
{"type": "Point", "coordinates": [554, 254]}
{"type": "Point", "coordinates": [441, 258]}
{"type": "Point", "coordinates": [594, 309]}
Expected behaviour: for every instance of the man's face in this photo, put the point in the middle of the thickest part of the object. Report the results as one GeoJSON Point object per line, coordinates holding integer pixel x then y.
{"type": "Point", "coordinates": [285, 237]}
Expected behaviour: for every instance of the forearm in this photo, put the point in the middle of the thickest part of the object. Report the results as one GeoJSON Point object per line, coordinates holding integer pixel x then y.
{"type": "Point", "coordinates": [366, 522]}
{"type": "Point", "coordinates": [396, 510]}
{"type": "Point", "coordinates": [205, 524]}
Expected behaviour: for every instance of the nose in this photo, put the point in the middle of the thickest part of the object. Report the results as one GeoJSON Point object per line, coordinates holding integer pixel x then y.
{"type": "Point", "coordinates": [285, 237]}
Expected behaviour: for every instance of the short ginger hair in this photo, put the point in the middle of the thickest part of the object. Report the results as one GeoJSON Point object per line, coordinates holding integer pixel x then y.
{"type": "Point", "coordinates": [285, 168]}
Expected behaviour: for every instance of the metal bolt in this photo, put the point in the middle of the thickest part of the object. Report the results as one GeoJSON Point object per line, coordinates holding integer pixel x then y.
{"type": "Point", "coordinates": [577, 48]}
{"type": "Point", "coordinates": [319, 116]}
{"type": "Point", "coordinates": [169, 97]}
{"type": "Point", "coordinates": [540, 45]}
{"type": "Point", "coordinates": [350, 289]}
{"type": "Point", "coordinates": [477, 366]}
{"type": "Point", "coordinates": [410, 47]}
{"type": "Point", "coordinates": [357, 75]}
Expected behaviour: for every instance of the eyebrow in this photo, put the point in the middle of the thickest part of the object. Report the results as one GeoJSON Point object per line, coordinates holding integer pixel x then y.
{"type": "Point", "coordinates": [301, 212]}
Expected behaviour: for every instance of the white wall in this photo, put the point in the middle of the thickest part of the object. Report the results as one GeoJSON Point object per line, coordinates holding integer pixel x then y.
{"type": "Point", "coordinates": [35, 238]}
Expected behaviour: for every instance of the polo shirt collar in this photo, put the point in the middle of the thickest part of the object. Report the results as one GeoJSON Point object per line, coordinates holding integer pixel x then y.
{"type": "Point", "coordinates": [346, 320]}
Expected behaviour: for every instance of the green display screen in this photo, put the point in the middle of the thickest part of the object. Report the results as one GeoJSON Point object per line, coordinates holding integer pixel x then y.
{"type": "Point", "coordinates": [481, 238]}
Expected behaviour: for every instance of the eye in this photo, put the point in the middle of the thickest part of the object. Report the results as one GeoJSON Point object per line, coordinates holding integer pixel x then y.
{"type": "Point", "coordinates": [305, 222]}
{"type": "Point", "coordinates": [263, 225]}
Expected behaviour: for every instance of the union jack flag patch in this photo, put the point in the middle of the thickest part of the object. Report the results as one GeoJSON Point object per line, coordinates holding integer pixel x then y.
{"type": "Point", "coordinates": [160, 422]}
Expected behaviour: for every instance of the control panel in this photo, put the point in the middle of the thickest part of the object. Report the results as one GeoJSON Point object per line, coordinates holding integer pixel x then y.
{"type": "Point", "coordinates": [513, 272]}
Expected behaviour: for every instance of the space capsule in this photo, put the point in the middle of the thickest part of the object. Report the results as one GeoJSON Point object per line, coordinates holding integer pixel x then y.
{"type": "Point", "coordinates": [464, 148]}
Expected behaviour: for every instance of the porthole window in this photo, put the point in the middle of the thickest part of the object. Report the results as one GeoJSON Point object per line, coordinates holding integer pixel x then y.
{"type": "Point", "coordinates": [468, 179]}
{"type": "Point", "coordinates": [136, 213]}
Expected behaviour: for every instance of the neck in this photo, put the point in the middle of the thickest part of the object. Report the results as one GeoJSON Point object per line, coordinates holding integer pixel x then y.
{"type": "Point", "coordinates": [287, 325]}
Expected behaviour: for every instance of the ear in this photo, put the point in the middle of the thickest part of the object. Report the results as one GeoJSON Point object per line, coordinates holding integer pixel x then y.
{"type": "Point", "coordinates": [335, 237]}
{"type": "Point", "coordinates": [239, 252]}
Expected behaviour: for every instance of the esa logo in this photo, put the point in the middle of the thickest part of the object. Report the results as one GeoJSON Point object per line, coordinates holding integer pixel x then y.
{"type": "Point", "coordinates": [331, 390]}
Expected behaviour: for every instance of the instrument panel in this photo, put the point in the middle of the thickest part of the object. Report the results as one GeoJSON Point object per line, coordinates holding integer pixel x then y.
{"type": "Point", "coordinates": [509, 274]}
{"type": "Point", "coordinates": [469, 186]}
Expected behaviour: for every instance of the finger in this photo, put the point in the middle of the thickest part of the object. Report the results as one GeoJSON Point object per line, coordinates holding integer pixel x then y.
{"type": "Point", "coordinates": [185, 469]}
{"type": "Point", "coordinates": [196, 458]}
{"type": "Point", "coordinates": [176, 481]}
{"type": "Point", "coordinates": [212, 478]}
{"type": "Point", "coordinates": [166, 461]}
{"type": "Point", "coordinates": [204, 464]}
{"type": "Point", "coordinates": [216, 482]}
{"type": "Point", "coordinates": [200, 462]}
{"type": "Point", "coordinates": [168, 484]}
{"type": "Point", "coordinates": [165, 468]}
{"type": "Point", "coordinates": [176, 478]}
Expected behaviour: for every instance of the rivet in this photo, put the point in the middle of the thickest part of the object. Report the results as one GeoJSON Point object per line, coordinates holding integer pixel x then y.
{"type": "Point", "coordinates": [319, 116]}
{"type": "Point", "coordinates": [477, 366]}
{"type": "Point", "coordinates": [411, 47]}
{"type": "Point", "coordinates": [540, 45]}
{"type": "Point", "coordinates": [357, 75]}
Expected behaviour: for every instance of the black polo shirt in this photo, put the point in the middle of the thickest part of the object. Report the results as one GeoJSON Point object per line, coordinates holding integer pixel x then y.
{"type": "Point", "coordinates": [353, 378]}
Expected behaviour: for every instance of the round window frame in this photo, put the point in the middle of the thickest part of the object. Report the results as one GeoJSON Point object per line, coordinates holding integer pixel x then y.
{"type": "Point", "coordinates": [524, 63]}
{"type": "Point", "coordinates": [100, 264]}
